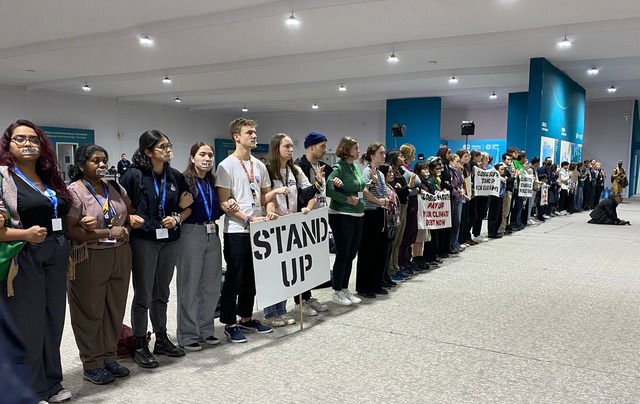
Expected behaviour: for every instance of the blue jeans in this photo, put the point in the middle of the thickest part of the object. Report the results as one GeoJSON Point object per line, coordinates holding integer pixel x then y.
{"type": "Point", "coordinates": [277, 309]}
{"type": "Point", "coordinates": [579, 199]}
{"type": "Point", "coordinates": [456, 215]}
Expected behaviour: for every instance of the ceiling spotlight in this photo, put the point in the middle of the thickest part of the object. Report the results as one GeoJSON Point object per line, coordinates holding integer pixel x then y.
{"type": "Point", "coordinates": [177, 99]}
{"type": "Point", "coordinates": [612, 89]}
{"type": "Point", "coordinates": [342, 88]}
{"type": "Point", "coordinates": [493, 96]}
{"type": "Point", "coordinates": [315, 106]}
{"type": "Point", "coordinates": [453, 80]}
{"type": "Point", "coordinates": [593, 71]}
{"type": "Point", "coordinates": [244, 109]}
{"type": "Point", "coordinates": [86, 87]}
{"type": "Point", "coordinates": [393, 58]}
{"type": "Point", "coordinates": [166, 80]}
{"type": "Point", "coordinates": [565, 43]}
{"type": "Point", "coordinates": [292, 21]}
{"type": "Point", "coordinates": [145, 40]}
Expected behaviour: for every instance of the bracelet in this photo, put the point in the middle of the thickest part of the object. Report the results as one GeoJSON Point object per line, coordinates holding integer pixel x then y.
{"type": "Point", "coordinates": [247, 220]}
{"type": "Point", "coordinates": [109, 230]}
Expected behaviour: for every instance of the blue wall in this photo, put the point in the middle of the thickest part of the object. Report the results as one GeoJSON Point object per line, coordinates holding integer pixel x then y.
{"type": "Point", "coordinates": [517, 120]}
{"type": "Point", "coordinates": [422, 118]}
{"type": "Point", "coordinates": [556, 109]}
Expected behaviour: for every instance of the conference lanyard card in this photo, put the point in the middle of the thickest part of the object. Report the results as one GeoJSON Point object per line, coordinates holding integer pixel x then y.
{"type": "Point", "coordinates": [56, 224]}
{"type": "Point", "coordinates": [162, 234]}
{"type": "Point", "coordinates": [108, 240]}
{"type": "Point", "coordinates": [360, 195]}
{"type": "Point", "coordinates": [211, 228]}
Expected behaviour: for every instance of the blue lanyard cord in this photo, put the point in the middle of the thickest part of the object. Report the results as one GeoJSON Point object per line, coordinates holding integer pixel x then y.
{"type": "Point", "coordinates": [207, 197]}
{"type": "Point", "coordinates": [108, 211]}
{"type": "Point", "coordinates": [163, 195]}
{"type": "Point", "coordinates": [48, 192]}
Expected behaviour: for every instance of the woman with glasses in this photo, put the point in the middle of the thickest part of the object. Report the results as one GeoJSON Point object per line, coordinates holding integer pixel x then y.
{"type": "Point", "coordinates": [161, 197]}
{"type": "Point", "coordinates": [36, 201]}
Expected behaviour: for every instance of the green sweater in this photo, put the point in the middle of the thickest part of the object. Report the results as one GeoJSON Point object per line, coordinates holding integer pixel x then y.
{"type": "Point", "coordinates": [353, 182]}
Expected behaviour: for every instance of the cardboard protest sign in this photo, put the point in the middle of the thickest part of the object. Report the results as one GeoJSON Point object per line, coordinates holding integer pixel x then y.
{"type": "Point", "coordinates": [435, 212]}
{"type": "Point", "coordinates": [544, 195]}
{"type": "Point", "coordinates": [526, 186]}
{"type": "Point", "coordinates": [290, 255]}
{"type": "Point", "coordinates": [487, 182]}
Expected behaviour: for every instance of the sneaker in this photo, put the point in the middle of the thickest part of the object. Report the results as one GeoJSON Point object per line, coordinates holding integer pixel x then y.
{"type": "Point", "coordinates": [464, 245]}
{"type": "Point", "coordinates": [274, 321]}
{"type": "Point", "coordinates": [211, 340]}
{"type": "Point", "coordinates": [352, 298]}
{"type": "Point", "coordinates": [546, 216]}
{"type": "Point", "coordinates": [234, 334]}
{"type": "Point", "coordinates": [479, 239]}
{"type": "Point", "coordinates": [62, 395]}
{"type": "Point", "coordinates": [307, 310]}
{"type": "Point", "coordinates": [397, 278]}
{"type": "Point", "coordinates": [316, 305]}
{"type": "Point", "coordinates": [531, 222]}
{"type": "Point", "coordinates": [338, 298]}
{"type": "Point", "coordinates": [193, 347]}
{"type": "Point", "coordinates": [116, 369]}
{"type": "Point", "coordinates": [255, 326]}
{"type": "Point", "coordinates": [43, 402]}
{"type": "Point", "coordinates": [96, 376]}
{"type": "Point", "coordinates": [288, 320]}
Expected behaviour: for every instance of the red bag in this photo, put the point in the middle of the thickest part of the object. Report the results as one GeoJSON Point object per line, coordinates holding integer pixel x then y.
{"type": "Point", "coordinates": [127, 342]}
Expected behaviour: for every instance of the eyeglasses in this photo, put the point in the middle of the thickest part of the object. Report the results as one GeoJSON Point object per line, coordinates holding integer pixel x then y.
{"type": "Point", "coordinates": [22, 140]}
{"type": "Point", "coordinates": [164, 147]}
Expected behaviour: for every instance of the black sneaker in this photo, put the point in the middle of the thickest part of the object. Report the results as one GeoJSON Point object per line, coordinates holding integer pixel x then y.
{"type": "Point", "coordinates": [193, 347]}
{"type": "Point", "coordinates": [255, 326]}
{"type": "Point", "coordinates": [98, 376]}
{"type": "Point", "coordinates": [211, 340]}
{"type": "Point", "coordinates": [116, 369]}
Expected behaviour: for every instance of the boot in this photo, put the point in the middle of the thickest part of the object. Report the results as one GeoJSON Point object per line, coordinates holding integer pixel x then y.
{"type": "Point", "coordinates": [164, 346]}
{"type": "Point", "coordinates": [143, 357]}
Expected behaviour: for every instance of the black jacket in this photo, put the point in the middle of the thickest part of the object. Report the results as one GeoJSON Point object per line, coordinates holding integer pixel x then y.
{"type": "Point", "coordinates": [305, 195]}
{"type": "Point", "coordinates": [605, 211]}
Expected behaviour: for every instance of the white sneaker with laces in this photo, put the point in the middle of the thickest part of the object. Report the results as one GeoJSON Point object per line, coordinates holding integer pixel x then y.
{"type": "Point", "coordinates": [352, 298]}
{"type": "Point", "coordinates": [274, 321]}
{"type": "Point", "coordinates": [532, 222]}
{"type": "Point", "coordinates": [307, 310]}
{"type": "Point", "coordinates": [338, 298]}
{"type": "Point", "coordinates": [316, 305]}
{"type": "Point", "coordinates": [62, 395]}
{"type": "Point", "coordinates": [479, 239]}
{"type": "Point", "coordinates": [287, 319]}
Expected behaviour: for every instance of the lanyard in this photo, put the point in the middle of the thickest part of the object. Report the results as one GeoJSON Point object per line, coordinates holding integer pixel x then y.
{"type": "Point", "coordinates": [286, 184]}
{"type": "Point", "coordinates": [249, 176]}
{"type": "Point", "coordinates": [163, 195]}
{"type": "Point", "coordinates": [356, 173]}
{"type": "Point", "coordinates": [48, 193]}
{"type": "Point", "coordinates": [207, 197]}
{"type": "Point", "coordinates": [108, 211]}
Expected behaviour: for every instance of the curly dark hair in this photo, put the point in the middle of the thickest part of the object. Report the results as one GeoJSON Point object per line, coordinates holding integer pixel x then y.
{"type": "Point", "coordinates": [46, 165]}
{"type": "Point", "coordinates": [82, 155]}
{"type": "Point", "coordinates": [147, 141]}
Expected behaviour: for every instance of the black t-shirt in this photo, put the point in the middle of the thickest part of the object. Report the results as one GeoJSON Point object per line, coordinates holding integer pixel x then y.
{"type": "Point", "coordinates": [36, 209]}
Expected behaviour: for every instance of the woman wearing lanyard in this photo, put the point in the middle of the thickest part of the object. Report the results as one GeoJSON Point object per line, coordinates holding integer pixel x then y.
{"type": "Point", "coordinates": [345, 217]}
{"type": "Point", "coordinates": [98, 288]}
{"type": "Point", "coordinates": [200, 255]}
{"type": "Point", "coordinates": [286, 178]}
{"type": "Point", "coordinates": [161, 197]}
{"type": "Point", "coordinates": [37, 200]}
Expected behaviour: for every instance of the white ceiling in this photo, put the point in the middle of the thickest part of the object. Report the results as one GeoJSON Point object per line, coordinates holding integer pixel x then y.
{"type": "Point", "coordinates": [224, 55]}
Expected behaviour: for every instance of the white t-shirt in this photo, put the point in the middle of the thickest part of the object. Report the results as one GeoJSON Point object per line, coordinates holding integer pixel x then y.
{"type": "Point", "coordinates": [232, 176]}
{"type": "Point", "coordinates": [287, 204]}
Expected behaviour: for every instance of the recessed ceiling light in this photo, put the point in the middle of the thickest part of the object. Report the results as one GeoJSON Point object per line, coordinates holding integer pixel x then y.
{"type": "Point", "coordinates": [292, 21]}
{"type": "Point", "coordinates": [244, 109]}
{"type": "Point", "coordinates": [31, 70]}
{"type": "Point", "coordinates": [593, 71]}
{"type": "Point", "coordinates": [315, 106]}
{"type": "Point", "coordinates": [612, 89]}
{"type": "Point", "coordinates": [342, 88]}
{"type": "Point", "coordinates": [166, 80]}
{"type": "Point", "coordinates": [177, 99]}
{"type": "Point", "coordinates": [493, 96]}
{"type": "Point", "coordinates": [393, 58]}
{"type": "Point", "coordinates": [145, 40]}
{"type": "Point", "coordinates": [433, 62]}
{"type": "Point", "coordinates": [453, 80]}
{"type": "Point", "coordinates": [86, 87]}
{"type": "Point", "coordinates": [565, 43]}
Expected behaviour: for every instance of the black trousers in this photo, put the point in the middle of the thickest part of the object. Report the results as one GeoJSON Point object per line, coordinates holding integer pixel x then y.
{"type": "Point", "coordinates": [464, 234]}
{"type": "Point", "coordinates": [495, 214]}
{"type": "Point", "coordinates": [347, 231]}
{"type": "Point", "coordinates": [372, 251]}
{"type": "Point", "coordinates": [471, 219]}
{"type": "Point", "coordinates": [482, 204]}
{"type": "Point", "coordinates": [239, 288]}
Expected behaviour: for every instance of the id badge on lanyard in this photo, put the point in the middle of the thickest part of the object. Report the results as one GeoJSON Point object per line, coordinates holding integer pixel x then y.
{"type": "Point", "coordinates": [211, 227]}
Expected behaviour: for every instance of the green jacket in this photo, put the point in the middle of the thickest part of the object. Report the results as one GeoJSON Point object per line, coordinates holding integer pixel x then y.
{"type": "Point", "coordinates": [353, 182]}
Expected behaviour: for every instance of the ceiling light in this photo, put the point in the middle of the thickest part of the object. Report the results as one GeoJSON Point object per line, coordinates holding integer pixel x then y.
{"type": "Point", "coordinates": [393, 58]}
{"type": "Point", "coordinates": [612, 89]}
{"type": "Point", "coordinates": [565, 43]}
{"type": "Point", "coordinates": [453, 80]}
{"type": "Point", "coordinates": [315, 106]}
{"type": "Point", "coordinates": [166, 80]}
{"type": "Point", "coordinates": [177, 99]}
{"type": "Point", "coordinates": [145, 40]}
{"type": "Point", "coordinates": [244, 109]}
{"type": "Point", "coordinates": [593, 71]}
{"type": "Point", "coordinates": [493, 96]}
{"type": "Point", "coordinates": [292, 21]}
{"type": "Point", "coordinates": [86, 87]}
{"type": "Point", "coordinates": [342, 88]}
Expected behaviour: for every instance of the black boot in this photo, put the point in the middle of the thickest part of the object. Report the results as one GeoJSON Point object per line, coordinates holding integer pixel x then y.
{"type": "Point", "coordinates": [143, 357]}
{"type": "Point", "coordinates": [164, 346]}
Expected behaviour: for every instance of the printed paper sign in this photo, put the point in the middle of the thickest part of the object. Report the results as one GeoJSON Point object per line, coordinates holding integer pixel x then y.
{"type": "Point", "coordinates": [526, 186]}
{"type": "Point", "coordinates": [487, 182]}
{"type": "Point", "coordinates": [434, 211]}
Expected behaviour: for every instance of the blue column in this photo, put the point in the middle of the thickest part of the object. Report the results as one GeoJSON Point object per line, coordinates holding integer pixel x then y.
{"type": "Point", "coordinates": [517, 120]}
{"type": "Point", "coordinates": [422, 118]}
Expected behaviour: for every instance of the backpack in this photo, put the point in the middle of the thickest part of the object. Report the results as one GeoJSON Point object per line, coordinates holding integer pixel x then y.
{"type": "Point", "coordinates": [127, 342]}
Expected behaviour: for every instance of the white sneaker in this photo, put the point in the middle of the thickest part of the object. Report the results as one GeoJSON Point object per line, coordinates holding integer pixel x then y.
{"type": "Point", "coordinates": [352, 298]}
{"type": "Point", "coordinates": [287, 319]}
{"type": "Point", "coordinates": [464, 245]}
{"type": "Point", "coordinates": [43, 402]}
{"type": "Point", "coordinates": [274, 321]}
{"type": "Point", "coordinates": [531, 222]}
{"type": "Point", "coordinates": [307, 310]}
{"type": "Point", "coordinates": [338, 298]}
{"type": "Point", "coordinates": [478, 239]}
{"type": "Point", "coordinates": [62, 395]}
{"type": "Point", "coordinates": [546, 216]}
{"type": "Point", "coordinates": [314, 304]}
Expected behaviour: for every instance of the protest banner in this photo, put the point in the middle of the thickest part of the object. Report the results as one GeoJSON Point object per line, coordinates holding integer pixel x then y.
{"type": "Point", "coordinates": [290, 255]}
{"type": "Point", "coordinates": [435, 211]}
{"type": "Point", "coordinates": [544, 195]}
{"type": "Point", "coordinates": [526, 186]}
{"type": "Point", "coordinates": [487, 182]}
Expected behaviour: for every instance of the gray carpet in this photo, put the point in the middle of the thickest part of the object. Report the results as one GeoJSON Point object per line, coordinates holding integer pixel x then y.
{"type": "Point", "coordinates": [547, 315]}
